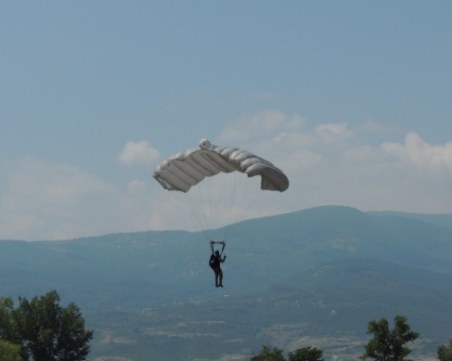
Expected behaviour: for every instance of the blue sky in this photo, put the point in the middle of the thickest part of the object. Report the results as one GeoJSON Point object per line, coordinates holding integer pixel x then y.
{"type": "Point", "coordinates": [352, 99]}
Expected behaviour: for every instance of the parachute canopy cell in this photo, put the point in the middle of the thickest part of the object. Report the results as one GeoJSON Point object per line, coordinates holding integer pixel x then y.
{"type": "Point", "coordinates": [186, 169]}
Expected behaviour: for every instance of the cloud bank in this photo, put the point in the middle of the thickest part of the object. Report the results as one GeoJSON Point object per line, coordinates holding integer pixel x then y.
{"type": "Point", "coordinates": [331, 163]}
{"type": "Point", "coordinates": [140, 152]}
{"type": "Point", "coordinates": [417, 152]}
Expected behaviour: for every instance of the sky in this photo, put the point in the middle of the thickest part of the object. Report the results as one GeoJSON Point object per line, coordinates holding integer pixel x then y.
{"type": "Point", "coordinates": [351, 99]}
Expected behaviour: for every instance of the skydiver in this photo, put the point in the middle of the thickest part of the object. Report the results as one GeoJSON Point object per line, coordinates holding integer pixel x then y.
{"type": "Point", "coordinates": [215, 262]}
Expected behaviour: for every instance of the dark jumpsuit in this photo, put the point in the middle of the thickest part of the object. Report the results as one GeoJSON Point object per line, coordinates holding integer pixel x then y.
{"type": "Point", "coordinates": [215, 263]}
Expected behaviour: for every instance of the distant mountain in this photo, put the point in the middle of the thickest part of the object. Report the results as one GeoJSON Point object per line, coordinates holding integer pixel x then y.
{"type": "Point", "coordinates": [312, 277]}
{"type": "Point", "coordinates": [444, 220]}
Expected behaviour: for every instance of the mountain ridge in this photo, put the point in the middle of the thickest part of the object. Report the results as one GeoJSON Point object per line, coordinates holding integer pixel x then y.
{"type": "Point", "coordinates": [315, 274]}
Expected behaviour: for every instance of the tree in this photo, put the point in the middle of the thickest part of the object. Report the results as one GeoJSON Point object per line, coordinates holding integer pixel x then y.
{"type": "Point", "coordinates": [306, 354]}
{"type": "Point", "coordinates": [269, 354]}
{"type": "Point", "coordinates": [9, 351]}
{"type": "Point", "coordinates": [445, 352]}
{"type": "Point", "coordinates": [44, 330]}
{"type": "Point", "coordinates": [389, 345]}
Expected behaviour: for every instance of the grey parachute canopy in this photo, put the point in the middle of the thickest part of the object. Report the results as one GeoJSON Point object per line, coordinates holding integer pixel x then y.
{"type": "Point", "coordinates": [186, 169]}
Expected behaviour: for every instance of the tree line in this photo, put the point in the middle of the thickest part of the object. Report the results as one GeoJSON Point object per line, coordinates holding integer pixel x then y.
{"type": "Point", "coordinates": [41, 329]}
{"type": "Point", "coordinates": [386, 344]}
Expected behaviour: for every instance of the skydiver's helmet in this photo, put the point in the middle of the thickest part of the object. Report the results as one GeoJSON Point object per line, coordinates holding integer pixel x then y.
{"type": "Point", "coordinates": [217, 253]}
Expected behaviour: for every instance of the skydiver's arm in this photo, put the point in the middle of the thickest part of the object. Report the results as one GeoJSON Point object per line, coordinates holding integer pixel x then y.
{"type": "Point", "coordinates": [211, 246]}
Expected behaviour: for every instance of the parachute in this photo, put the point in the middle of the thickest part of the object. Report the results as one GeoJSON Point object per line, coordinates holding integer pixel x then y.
{"type": "Point", "coordinates": [186, 169]}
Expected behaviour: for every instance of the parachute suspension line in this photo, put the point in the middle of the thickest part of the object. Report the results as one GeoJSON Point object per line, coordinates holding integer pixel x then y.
{"type": "Point", "coordinates": [195, 216]}
{"type": "Point", "coordinates": [219, 202]}
{"type": "Point", "coordinates": [180, 199]}
{"type": "Point", "coordinates": [228, 202]}
{"type": "Point", "coordinates": [239, 203]}
{"type": "Point", "coordinates": [245, 194]}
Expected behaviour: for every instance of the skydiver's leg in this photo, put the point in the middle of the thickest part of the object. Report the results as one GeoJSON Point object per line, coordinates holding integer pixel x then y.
{"type": "Point", "coordinates": [217, 278]}
{"type": "Point", "coordinates": [220, 276]}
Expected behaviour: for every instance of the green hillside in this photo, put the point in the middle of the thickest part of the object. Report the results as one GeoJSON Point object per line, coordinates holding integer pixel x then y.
{"type": "Point", "coordinates": [313, 277]}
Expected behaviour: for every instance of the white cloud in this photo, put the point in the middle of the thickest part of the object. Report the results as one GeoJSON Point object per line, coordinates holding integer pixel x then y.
{"type": "Point", "coordinates": [48, 200]}
{"type": "Point", "coordinates": [332, 132]}
{"type": "Point", "coordinates": [42, 200]}
{"type": "Point", "coordinates": [415, 151]}
{"type": "Point", "coordinates": [265, 125]}
{"type": "Point", "coordinates": [333, 163]}
{"type": "Point", "coordinates": [376, 128]}
{"type": "Point", "coordinates": [140, 152]}
{"type": "Point", "coordinates": [287, 140]}
{"type": "Point", "coordinates": [136, 186]}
